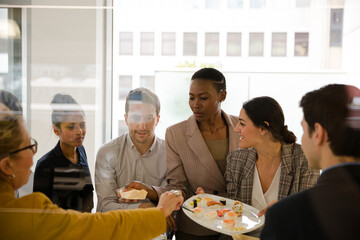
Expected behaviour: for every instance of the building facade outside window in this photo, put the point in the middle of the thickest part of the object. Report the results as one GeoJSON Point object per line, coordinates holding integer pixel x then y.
{"type": "Point", "coordinates": [190, 44]}
{"type": "Point", "coordinates": [235, 3]}
{"type": "Point", "coordinates": [301, 47]}
{"type": "Point", "coordinates": [125, 85]}
{"type": "Point", "coordinates": [211, 44]}
{"type": "Point", "coordinates": [168, 44]}
{"type": "Point", "coordinates": [257, 3]}
{"type": "Point", "coordinates": [126, 43]}
{"type": "Point", "coordinates": [278, 45]}
{"type": "Point", "coordinates": [147, 43]}
{"type": "Point", "coordinates": [233, 44]}
{"type": "Point", "coordinates": [336, 27]}
{"type": "Point", "coordinates": [256, 44]}
{"type": "Point", "coordinates": [147, 82]}
{"type": "Point", "coordinates": [212, 3]}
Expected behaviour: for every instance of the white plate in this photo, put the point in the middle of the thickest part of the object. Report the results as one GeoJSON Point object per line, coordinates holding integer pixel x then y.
{"type": "Point", "coordinates": [247, 223]}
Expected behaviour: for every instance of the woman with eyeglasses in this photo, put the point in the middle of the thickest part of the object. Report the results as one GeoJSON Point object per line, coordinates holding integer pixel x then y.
{"type": "Point", "coordinates": [63, 173]}
{"type": "Point", "coordinates": [34, 216]}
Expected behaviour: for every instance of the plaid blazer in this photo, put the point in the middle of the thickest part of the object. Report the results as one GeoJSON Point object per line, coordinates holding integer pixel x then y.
{"type": "Point", "coordinates": [295, 174]}
{"type": "Point", "coordinates": [191, 165]}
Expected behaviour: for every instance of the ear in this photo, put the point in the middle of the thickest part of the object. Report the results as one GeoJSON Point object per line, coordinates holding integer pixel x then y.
{"type": "Point", "coordinates": [319, 135]}
{"type": "Point", "coordinates": [125, 117]}
{"type": "Point", "coordinates": [222, 95]}
{"type": "Point", "coordinates": [56, 130]}
{"type": "Point", "coordinates": [157, 120]}
{"type": "Point", "coordinates": [262, 131]}
{"type": "Point", "coordinates": [5, 166]}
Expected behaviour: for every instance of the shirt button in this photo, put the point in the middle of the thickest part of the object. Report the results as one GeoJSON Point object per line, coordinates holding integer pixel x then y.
{"type": "Point", "coordinates": [216, 192]}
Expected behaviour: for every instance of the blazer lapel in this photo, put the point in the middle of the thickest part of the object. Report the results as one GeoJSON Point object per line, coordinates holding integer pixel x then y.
{"type": "Point", "coordinates": [286, 175]}
{"type": "Point", "coordinates": [198, 146]}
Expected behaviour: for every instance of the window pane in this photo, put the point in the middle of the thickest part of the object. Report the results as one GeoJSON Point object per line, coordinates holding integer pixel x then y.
{"type": "Point", "coordinates": [336, 27]}
{"type": "Point", "coordinates": [125, 85]}
{"type": "Point", "coordinates": [147, 82]}
{"type": "Point", "coordinates": [257, 3]}
{"type": "Point", "coordinates": [278, 45]}
{"type": "Point", "coordinates": [190, 44]}
{"type": "Point", "coordinates": [256, 44]}
{"type": "Point", "coordinates": [212, 3]}
{"type": "Point", "coordinates": [147, 43]}
{"type": "Point", "coordinates": [211, 44]}
{"type": "Point", "coordinates": [301, 44]}
{"type": "Point", "coordinates": [168, 44]}
{"type": "Point", "coordinates": [234, 44]}
{"type": "Point", "coordinates": [235, 3]}
{"type": "Point", "coordinates": [303, 3]}
{"type": "Point", "coordinates": [126, 43]}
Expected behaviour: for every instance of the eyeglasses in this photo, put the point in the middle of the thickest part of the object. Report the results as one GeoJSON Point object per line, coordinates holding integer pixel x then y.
{"type": "Point", "coordinates": [33, 146]}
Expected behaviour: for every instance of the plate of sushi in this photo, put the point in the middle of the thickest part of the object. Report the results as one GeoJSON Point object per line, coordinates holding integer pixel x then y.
{"type": "Point", "coordinates": [222, 215]}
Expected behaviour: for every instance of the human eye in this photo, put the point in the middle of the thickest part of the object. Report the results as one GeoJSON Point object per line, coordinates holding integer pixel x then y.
{"type": "Point", "coordinates": [83, 125]}
{"type": "Point", "coordinates": [70, 126]}
{"type": "Point", "coordinates": [204, 98]}
{"type": "Point", "coordinates": [135, 118]}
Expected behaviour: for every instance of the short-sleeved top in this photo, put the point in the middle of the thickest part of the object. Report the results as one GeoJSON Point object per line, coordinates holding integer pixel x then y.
{"type": "Point", "coordinates": [67, 184]}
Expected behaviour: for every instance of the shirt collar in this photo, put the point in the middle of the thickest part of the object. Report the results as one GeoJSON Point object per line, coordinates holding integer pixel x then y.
{"type": "Point", "coordinates": [80, 150]}
{"type": "Point", "coordinates": [341, 165]}
{"type": "Point", "coordinates": [132, 145]}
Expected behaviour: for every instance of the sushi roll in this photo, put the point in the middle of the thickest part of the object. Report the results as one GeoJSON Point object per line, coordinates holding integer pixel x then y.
{"type": "Point", "coordinates": [223, 201]}
{"type": "Point", "coordinates": [228, 223]}
{"type": "Point", "coordinates": [214, 204]}
{"type": "Point", "coordinates": [210, 215]}
{"type": "Point", "coordinates": [204, 201]}
{"type": "Point", "coordinates": [231, 215]}
{"type": "Point", "coordinates": [198, 211]}
{"type": "Point", "coordinates": [237, 207]}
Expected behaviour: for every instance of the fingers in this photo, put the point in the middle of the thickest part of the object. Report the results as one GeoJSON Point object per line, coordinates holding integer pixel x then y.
{"type": "Point", "coordinates": [263, 211]}
{"type": "Point", "coordinates": [200, 190]}
{"type": "Point", "coordinates": [170, 201]}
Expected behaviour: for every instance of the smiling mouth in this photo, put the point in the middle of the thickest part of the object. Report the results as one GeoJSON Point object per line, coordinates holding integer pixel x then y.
{"type": "Point", "coordinates": [241, 138]}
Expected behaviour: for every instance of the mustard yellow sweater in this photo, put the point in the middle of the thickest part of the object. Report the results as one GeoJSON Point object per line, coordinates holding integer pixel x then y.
{"type": "Point", "coordinates": [34, 216]}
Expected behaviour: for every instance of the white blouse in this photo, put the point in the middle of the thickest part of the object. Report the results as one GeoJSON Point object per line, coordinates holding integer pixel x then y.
{"type": "Point", "coordinates": [260, 200]}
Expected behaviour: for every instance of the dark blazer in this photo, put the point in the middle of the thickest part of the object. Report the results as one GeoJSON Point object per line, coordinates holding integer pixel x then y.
{"type": "Point", "coordinates": [329, 210]}
{"type": "Point", "coordinates": [68, 185]}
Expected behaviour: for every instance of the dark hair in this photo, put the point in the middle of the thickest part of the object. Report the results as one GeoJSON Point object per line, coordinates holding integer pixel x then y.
{"type": "Point", "coordinates": [213, 75]}
{"type": "Point", "coordinates": [266, 112]}
{"type": "Point", "coordinates": [145, 95]}
{"type": "Point", "coordinates": [328, 106]}
{"type": "Point", "coordinates": [64, 105]}
{"type": "Point", "coordinates": [10, 101]}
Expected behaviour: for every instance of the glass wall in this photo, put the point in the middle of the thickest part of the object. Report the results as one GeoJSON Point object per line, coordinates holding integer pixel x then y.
{"type": "Point", "coordinates": [57, 47]}
{"type": "Point", "coordinates": [97, 51]}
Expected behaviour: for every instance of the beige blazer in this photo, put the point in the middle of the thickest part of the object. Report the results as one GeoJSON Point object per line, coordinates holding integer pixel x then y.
{"type": "Point", "coordinates": [191, 165]}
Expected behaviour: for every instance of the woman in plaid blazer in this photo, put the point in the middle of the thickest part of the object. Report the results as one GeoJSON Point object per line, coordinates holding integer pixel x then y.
{"type": "Point", "coordinates": [269, 165]}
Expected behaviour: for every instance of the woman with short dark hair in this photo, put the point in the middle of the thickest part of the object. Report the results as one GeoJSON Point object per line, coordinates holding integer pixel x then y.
{"type": "Point", "coordinates": [63, 173]}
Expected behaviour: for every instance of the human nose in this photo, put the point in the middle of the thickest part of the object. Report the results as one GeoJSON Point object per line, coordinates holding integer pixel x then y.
{"type": "Point", "coordinates": [196, 103]}
{"type": "Point", "coordinates": [237, 128]}
{"type": "Point", "coordinates": [141, 125]}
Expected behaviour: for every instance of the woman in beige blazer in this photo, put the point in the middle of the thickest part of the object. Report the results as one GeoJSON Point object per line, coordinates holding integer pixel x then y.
{"type": "Point", "coordinates": [196, 149]}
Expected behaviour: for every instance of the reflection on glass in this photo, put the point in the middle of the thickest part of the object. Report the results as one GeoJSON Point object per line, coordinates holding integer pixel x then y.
{"type": "Point", "coordinates": [278, 44]}
{"type": "Point", "coordinates": [301, 44]}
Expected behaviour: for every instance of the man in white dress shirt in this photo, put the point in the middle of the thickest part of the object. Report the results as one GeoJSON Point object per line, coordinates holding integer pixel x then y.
{"type": "Point", "coordinates": [134, 156]}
